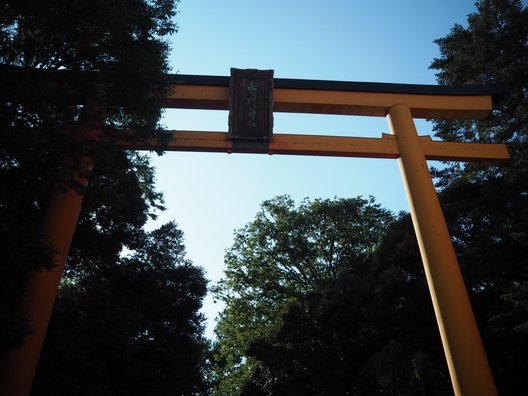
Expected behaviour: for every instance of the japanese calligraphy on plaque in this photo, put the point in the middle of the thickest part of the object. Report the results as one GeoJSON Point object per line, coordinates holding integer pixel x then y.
{"type": "Point", "coordinates": [251, 105]}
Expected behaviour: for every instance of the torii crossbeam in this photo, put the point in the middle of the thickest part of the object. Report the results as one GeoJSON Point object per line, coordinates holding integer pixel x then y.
{"type": "Point", "coordinates": [400, 103]}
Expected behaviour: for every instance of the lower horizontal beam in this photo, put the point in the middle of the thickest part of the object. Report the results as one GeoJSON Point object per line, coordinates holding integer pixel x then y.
{"type": "Point", "coordinates": [338, 146]}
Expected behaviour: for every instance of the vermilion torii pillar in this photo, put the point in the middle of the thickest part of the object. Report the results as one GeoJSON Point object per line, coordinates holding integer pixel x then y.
{"type": "Point", "coordinates": [400, 103]}
{"type": "Point", "coordinates": [466, 358]}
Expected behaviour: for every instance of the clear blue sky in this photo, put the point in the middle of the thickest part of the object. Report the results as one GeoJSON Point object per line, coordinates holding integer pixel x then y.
{"type": "Point", "coordinates": [211, 195]}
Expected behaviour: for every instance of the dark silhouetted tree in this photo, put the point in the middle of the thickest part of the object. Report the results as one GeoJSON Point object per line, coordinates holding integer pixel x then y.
{"type": "Point", "coordinates": [487, 206]}
{"type": "Point", "coordinates": [371, 332]}
{"type": "Point", "coordinates": [54, 57]}
{"type": "Point", "coordinates": [123, 324]}
{"type": "Point", "coordinates": [129, 327]}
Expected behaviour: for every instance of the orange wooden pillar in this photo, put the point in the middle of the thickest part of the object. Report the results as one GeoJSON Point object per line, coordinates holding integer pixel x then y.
{"type": "Point", "coordinates": [466, 358]}
{"type": "Point", "coordinates": [18, 366]}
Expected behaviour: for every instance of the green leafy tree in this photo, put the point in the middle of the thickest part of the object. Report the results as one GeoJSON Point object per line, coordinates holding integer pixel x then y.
{"type": "Point", "coordinates": [353, 336]}
{"type": "Point", "coordinates": [131, 327]}
{"type": "Point", "coordinates": [368, 332]}
{"type": "Point", "coordinates": [122, 324]}
{"type": "Point", "coordinates": [57, 57]}
{"type": "Point", "coordinates": [486, 206]}
{"type": "Point", "coordinates": [112, 51]}
{"type": "Point", "coordinates": [284, 253]}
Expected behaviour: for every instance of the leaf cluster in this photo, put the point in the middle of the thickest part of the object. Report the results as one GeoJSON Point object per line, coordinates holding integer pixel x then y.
{"type": "Point", "coordinates": [115, 52]}
{"type": "Point", "coordinates": [286, 252]}
{"type": "Point", "coordinates": [58, 58]}
{"type": "Point", "coordinates": [127, 315]}
{"type": "Point", "coordinates": [129, 327]}
{"type": "Point", "coordinates": [362, 333]}
{"type": "Point", "coordinates": [487, 206]}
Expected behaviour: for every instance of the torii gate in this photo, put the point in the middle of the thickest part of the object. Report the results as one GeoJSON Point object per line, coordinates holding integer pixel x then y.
{"type": "Point", "coordinates": [252, 97]}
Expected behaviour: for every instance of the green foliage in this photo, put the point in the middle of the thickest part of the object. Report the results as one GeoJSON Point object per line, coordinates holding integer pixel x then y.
{"type": "Point", "coordinates": [492, 49]}
{"type": "Point", "coordinates": [57, 57]}
{"type": "Point", "coordinates": [120, 42]}
{"type": "Point", "coordinates": [284, 253]}
{"type": "Point", "coordinates": [487, 206]}
{"type": "Point", "coordinates": [131, 327]}
{"type": "Point", "coordinates": [123, 324]}
{"type": "Point", "coordinates": [115, 208]}
{"type": "Point", "coordinates": [371, 332]}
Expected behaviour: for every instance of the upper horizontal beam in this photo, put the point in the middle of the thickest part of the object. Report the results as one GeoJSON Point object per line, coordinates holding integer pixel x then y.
{"type": "Point", "coordinates": [329, 85]}
{"type": "Point", "coordinates": [341, 97]}
{"type": "Point", "coordinates": [291, 95]}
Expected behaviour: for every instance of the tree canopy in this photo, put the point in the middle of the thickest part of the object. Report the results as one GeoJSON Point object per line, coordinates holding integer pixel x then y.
{"type": "Point", "coordinates": [114, 52]}
{"type": "Point", "coordinates": [284, 253]}
{"type": "Point", "coordinates": [486, 206]}
{"type": "Point", "coordinates": [129, 327]}
{"type": "Point", "coordinates": [54, 57]}
{"type": "Point", "coordinates": [127, 314]}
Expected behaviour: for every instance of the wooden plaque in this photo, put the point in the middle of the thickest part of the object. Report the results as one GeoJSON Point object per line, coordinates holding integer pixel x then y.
{"type": "Point", "coordinates": [251, 105]}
